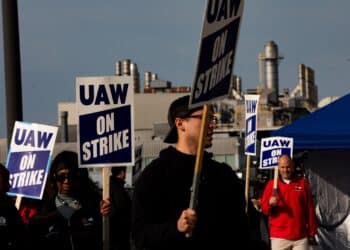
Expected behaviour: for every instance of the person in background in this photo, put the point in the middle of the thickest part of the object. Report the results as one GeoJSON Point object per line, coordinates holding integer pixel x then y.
{"type": "Point", "coordinates": [120, 211]}
{"type": "Point", "coordinates": [291, 212]}
{"type": "Point", "coordinates": [161, 217]}
{"type": "Point", "coordinates": [12, 229]}
{"type": "Point", "coordinates": [70, 218]}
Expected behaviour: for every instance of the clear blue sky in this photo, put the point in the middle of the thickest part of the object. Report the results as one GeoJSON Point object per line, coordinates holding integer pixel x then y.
{"type": "Point", "coordinates": [61, 40]}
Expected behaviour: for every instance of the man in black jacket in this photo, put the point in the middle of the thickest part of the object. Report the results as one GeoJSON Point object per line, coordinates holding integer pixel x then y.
{"type": "Point", "coordinates": [161, 218]}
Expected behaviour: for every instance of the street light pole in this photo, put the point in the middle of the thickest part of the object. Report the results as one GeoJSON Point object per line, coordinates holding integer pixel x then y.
{"type": "Point", "coordinates": [12, 64]}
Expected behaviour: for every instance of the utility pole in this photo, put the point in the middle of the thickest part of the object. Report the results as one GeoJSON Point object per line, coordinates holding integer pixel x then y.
{"type": "Point", "coordinates": [12, 64]}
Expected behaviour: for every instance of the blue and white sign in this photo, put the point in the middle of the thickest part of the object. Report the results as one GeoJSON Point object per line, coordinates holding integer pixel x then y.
{"type": "Point", "coordinates": [29, 158]}
{"type": "Point", "coordinates": [272, 148]}
{"type": "Point", "coordinates": [251, 122]}
{"type": "Point", "coordinates": [106, 125]}
{"type": "Point", "coordinates": [137, 169]}
{"type": "Point", "coordinates": [217, 51]}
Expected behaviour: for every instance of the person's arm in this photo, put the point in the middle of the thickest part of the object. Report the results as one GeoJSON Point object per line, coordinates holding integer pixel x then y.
{"type": "Point", "coordinates": [47, 215]}
{"type": "Point", "coordinates": [265, 198]}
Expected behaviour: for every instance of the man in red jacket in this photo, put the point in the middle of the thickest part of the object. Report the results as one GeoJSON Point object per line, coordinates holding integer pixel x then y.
{"type": "Point", "coordinates": [292, 218]}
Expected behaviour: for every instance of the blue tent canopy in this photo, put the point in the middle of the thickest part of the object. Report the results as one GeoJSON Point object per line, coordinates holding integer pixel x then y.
{"type": "Point", "coordinates": [326, 128]}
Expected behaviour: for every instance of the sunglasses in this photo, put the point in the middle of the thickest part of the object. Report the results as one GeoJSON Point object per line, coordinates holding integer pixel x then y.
{"type": "Point", "coordinates": [212, 118]}
{"type": "Point", "coordinates": [63, 177]}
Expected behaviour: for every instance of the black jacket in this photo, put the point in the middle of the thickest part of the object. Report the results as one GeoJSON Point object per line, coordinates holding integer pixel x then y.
{"type": "Point", "coordinates": [50, 230]}
{"type": "Point", "coordinates": [120, 216]}
{"type": "Point", "coordinates": [12, 230]}
{"type": "Point", "coordinates": [163, 191]}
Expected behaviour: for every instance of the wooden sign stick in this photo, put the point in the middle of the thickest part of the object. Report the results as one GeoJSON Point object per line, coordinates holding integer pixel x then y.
{"type": "Point", "coordinates": [105, 219]}
{"type": "Point", "coordinates": [275, 181]}
{"type": "Point", "coordinates": [247, 178]}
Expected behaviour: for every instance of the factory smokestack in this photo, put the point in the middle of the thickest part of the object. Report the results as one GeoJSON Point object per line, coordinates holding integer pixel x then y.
{"type": "Point", "coordinates": [136, 77]}
{"type": "Point", "coordinates": [147, 79]}
{"type": "Point", "coordinates": [118, 68]}
{"type": "Point", "coordinates": [126, 67]}
{"type": "Point", "coordinates": [270, 59]}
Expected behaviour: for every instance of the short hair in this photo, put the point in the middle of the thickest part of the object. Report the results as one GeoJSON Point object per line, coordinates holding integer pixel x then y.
{"type": "Point", "coordinates": [117, 170]}
{"type": "Point", "coordinates": [67, 160]}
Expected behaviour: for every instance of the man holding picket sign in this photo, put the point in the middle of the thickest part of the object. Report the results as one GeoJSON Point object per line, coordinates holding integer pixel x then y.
{"type": "Point", "coordinates": [162, 218]}
{"type": "Point", "coordinates": [184, 199]}
{"type": "Point", "coordinates": [287, 200]}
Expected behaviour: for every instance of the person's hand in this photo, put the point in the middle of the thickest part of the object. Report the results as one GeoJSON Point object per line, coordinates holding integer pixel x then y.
{"type": "Point", "coordinates": [273, 201]}
{"type": "Point", "coordinates": [257, 204]}
{"type": "Point", "coordinates": [187, 222]}
{"type": "Point", "coordinates": [106, 207]}
{"type": "Point", "coordinates": [312, 240]}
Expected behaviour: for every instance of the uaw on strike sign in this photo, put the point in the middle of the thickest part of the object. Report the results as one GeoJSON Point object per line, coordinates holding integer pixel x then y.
{"type": "Point", "coordinates": [105, 127]}
{"type": "Point", "coordinates": [217, 51]}
{"type": "Point", "coordinates": [29, 158]}
{"type": "Point", "coordinates": [251, 123]}
{"type": "Point", "coordinates": [272, 148]}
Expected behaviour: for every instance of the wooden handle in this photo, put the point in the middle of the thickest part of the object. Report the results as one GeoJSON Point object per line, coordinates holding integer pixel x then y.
{"type": "Point", "coordinates": [247, 178]}
{"type": "Point", "coordinates": [105, 219]}
{"type": "Point", "coordinates": [275, 181]}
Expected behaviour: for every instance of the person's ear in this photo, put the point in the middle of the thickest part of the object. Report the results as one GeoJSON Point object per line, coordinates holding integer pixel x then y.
{"type": "Point", "coordinates": [179, 123]}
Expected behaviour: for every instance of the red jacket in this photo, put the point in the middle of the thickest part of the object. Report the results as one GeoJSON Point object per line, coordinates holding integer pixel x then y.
{"type": "Point", "coordinates": [294, 216]}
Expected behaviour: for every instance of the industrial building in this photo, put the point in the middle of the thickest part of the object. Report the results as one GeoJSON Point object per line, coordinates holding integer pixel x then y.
{"type": "Point", "coordinates": [276, 108]}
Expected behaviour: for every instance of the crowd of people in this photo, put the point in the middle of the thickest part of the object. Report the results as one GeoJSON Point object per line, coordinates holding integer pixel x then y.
{"type": "Point", "coordinates": [159, 215]}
